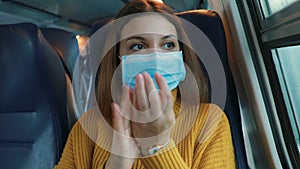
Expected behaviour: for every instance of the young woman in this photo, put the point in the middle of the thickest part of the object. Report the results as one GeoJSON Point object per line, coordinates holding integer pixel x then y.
{"type": "Point", "coordinates": [151, 94]}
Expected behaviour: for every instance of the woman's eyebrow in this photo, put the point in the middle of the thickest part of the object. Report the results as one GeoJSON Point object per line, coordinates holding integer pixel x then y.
{"type": "Point", "coordinates": [169, 36]}
{"type": "Point", "coordinates": [135, 37]}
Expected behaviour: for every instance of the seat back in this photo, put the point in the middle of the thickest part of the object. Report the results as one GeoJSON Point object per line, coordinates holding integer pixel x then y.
{"type": "Point", "coordinates": [33, 111]}
{"type": "Point", "coordinates": [210, 23]}
{"type": "Point", "coordinates": [65, 44]}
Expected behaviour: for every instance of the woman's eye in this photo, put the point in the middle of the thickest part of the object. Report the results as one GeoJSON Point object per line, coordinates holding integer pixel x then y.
{"type": "Point", "coordinates": [137, 47]}
{"type": "Point", "coordinates": [169, 45]}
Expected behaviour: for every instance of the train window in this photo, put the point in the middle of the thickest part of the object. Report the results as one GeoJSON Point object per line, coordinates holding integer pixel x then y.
{"type": "Point", "coordinates": [270, 7]}
{"type": "Point", "coordinates": [275, 50]}
{"type": "Point", "coordinates": [287, 61]}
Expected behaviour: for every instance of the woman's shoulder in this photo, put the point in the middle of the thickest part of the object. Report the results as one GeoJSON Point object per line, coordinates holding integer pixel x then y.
{"type": "Point", "coordinates": [87, 123]}
{"type": "Point", "coordinates": [91, 116]}
{"type": "Point", "coordinates": [212, 113]}
{"type": "Point", "coordinates": [210, 107]}
{"type": "Point", "coordinates": [212, 119]}
{"type": "Point", "coordinates": [210, 110]}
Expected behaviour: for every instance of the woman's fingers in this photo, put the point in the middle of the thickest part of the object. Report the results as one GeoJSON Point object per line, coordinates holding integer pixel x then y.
{"type": "Point", "coordinates": [123, 144]}
{"type": "Point", "coordinates": [154, 122]}
{"type": "Point", "coordinates": [117, 118]}
{"type": "Point", "coordinates": [140, 94]}
{"type": "Point", "coordinates": [125, 101]}
{"type": "Point", "coordinates": [153, 96]}
{"type": "Point", "coordinates": [165, 93]}
{"type": "Point", "coordinates": [122, 113]}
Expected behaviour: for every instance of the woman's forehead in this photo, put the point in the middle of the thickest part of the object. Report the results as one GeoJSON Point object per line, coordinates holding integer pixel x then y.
{"type": "Point", "coordinates": [148, 24]}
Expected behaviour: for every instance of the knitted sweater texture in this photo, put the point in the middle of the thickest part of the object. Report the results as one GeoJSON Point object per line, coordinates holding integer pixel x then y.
{"type": "Point", "coordinates": [207, 143]}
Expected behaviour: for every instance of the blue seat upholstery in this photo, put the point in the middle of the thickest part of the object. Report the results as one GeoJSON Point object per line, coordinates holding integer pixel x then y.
{"type": "Point", "coordinates": [65, 44]}
{"type": "Point", "coordinates": [211, 24]}
{"type": "Point", "coordinates": [33, 111]}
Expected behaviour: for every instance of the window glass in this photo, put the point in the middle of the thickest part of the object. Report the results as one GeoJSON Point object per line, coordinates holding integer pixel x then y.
{"type": "Point", "coordinates": [287, 63]}
{"type": "Point", "coordinates": [270, 7]}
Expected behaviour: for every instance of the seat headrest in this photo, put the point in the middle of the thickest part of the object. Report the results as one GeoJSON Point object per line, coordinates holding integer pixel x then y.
{"type": "Point", "coordinates": [210, 23]}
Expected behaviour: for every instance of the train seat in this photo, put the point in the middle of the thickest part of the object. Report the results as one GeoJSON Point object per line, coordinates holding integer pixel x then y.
{"type": "Point", "coordinates": [210, 23]}
{"type": "Point", "coordinates": [33, 101]}
{"type": "Point", "coordinates": [66, 46]}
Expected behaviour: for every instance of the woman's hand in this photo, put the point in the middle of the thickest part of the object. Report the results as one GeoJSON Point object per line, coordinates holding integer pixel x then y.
{"type": "Point", "coordinates": [123, 149]}
{"type": "Point", "coordinates": [153, 116]}
{"type": "Point", "coordinates": [148, 117]}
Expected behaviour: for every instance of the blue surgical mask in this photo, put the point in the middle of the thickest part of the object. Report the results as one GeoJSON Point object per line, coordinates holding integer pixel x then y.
{"type": "Point", "coordinates": [170, 65]}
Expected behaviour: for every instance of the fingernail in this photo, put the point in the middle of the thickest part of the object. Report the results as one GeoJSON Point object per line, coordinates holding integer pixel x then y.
{"type": "Point", "coordinates": [146, 74]}
{"type": "Point", "coordinates": [115, 107]}
{"type": "Point", "coordinates": [139, 77]}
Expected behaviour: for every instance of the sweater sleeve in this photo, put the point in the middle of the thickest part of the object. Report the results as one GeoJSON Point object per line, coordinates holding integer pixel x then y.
{"type": "Point", "coordinates": [215, 151]}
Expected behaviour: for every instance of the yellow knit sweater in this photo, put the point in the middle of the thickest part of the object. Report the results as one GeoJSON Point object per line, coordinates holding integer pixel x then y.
{"type": "Point", "coordinates": [207, 144]}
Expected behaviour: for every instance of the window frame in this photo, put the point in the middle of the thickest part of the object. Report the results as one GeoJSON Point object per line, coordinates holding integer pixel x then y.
{"type": "Point", "coordinates": [278, 30]}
